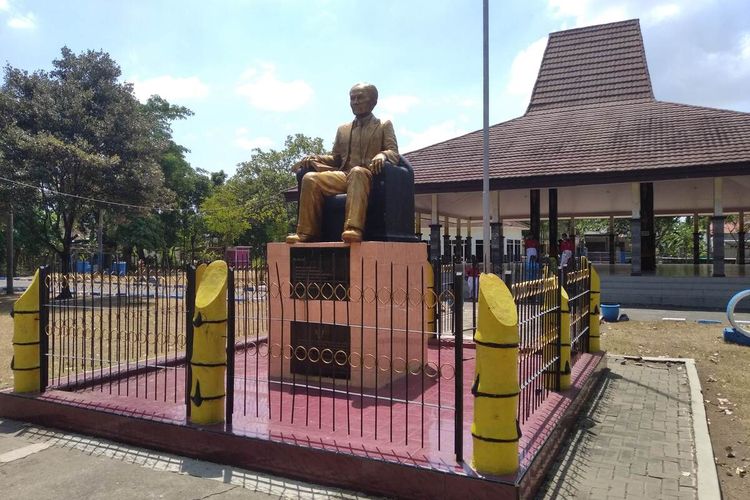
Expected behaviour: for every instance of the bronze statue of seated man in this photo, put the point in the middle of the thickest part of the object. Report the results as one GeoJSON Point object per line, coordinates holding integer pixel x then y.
{"type": "Point", "coordinates": [359, 151]}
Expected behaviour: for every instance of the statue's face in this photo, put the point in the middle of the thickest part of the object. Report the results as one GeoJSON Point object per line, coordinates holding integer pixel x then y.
{"type": "Point", "coordinates": [361, 101]}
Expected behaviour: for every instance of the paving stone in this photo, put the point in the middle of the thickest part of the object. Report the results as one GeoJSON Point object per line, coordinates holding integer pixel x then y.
{"type": "Point", "coordinates": [641, 442]}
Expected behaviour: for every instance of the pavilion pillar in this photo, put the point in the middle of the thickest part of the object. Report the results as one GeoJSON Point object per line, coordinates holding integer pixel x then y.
{"type": "Point", "coordinates": [468, 252]}
{"type": "Point", "coordinates": [741, 239]}
{"type": "Point", "coordinates": [496, 236]}
{"type": "Point", "coordinates": [447, 253]}
{"type": "Point", "coordinates": [418, 226]}
{"type": "Point", "coordinates": [611, 241]}
{"type": "Point", "coordinates": [534, 213]}
{"type": "Point", "coordinates": [718, 229]}
{"type": "Point", "coordinates": [552, 202]}
{"type": "Point", "coordinates": [496, 246]}
{"type": "Point", "coordinates": [459, 250]}
{"type": "Point", "coordinates": [635, 230]}
{"type": "Point", "coordinates": [648, 233]}
{"type": "Point", "coordinates": [434, 231]}
{"type": "Point", "coordinates": [696, 240]}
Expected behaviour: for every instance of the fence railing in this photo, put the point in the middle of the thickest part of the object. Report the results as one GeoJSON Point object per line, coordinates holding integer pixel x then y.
{"type": "Point", "coordinates": [120, 334]}
{"type": "Point", "coordinates": [537, 298]}
{"type": "Point", "coordinates": [382, 361]}
{"type": "Point", "coordinates": [578, 285]}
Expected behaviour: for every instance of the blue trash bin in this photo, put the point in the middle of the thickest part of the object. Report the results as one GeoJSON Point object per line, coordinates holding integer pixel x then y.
{"type": "Point", "coordinates": [83, 266]}
{"type": "Point", "coordinates": [121, 268]}
{"type": "Point", "coordinates": [610, 312]}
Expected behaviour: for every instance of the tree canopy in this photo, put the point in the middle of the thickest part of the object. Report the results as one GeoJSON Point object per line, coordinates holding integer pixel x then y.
{"type": "Point", "coordinates": [249, 208]}
{"type": "Point", "coordinates": [75, 140]}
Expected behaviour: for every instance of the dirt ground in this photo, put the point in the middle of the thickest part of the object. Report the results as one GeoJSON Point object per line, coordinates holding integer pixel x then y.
{"type": "Point", "coordinates": [725, 378]}
{"type": "Point", "coordinates": [6, 339]}
{"type": "Point", "coordinates": [724, 371]}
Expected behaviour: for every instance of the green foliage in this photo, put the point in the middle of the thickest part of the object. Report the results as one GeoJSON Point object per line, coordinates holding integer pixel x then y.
{"type": "Point", "coordinates": [78, 130]}
{"type": "Point", "coordinates": [250, 208]}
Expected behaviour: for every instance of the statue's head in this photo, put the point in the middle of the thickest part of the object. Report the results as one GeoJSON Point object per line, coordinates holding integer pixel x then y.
{"type": "Point", "coordinates": [363, 97]}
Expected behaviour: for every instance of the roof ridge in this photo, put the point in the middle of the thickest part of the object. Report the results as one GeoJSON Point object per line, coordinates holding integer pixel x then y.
{"type": "Point", "coordinates": [605, 62]}
{"type": "Point", "coordinates": [594, 27]}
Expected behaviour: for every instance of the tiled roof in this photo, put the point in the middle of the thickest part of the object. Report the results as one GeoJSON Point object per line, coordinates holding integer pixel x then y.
{"type": "Point", "coordinates": [592, 114]}
{"type": "Point", "coordinates": [594, 64]}
{"type": "Point", "coordinates": [596, 140]}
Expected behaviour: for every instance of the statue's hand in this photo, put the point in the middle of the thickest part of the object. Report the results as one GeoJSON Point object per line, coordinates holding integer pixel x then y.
{"type": "Point", "coordinates": [306, 162]}
{"type": "Point", "coordinates": [376, 165]}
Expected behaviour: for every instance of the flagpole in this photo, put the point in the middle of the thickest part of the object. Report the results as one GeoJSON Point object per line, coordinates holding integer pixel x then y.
{"type": "Point", "coordinates": [486, 139]}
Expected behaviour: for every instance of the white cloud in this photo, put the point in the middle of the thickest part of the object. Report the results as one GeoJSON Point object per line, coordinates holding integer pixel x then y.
{"type": "Point", "coordinates": [4, 5]}
{"type": "Point", "coordinates": [745, 46]}
{"type": "Point", "coordinates": [525, 68]}
{"type": "Point", "coordinates": [170, 88]}
{"type": "Point", "coordinates": [397, 104]}
{"type": "Point", "coordinates": [22, 22]}
{"type": "Point", "coordinates": [662, 12]}
{"type": "Point", "coordinates": [589, 12]}
{"type": "Point", "coordinates": [431, 135]}
{"type": "Point", "coordinates": [264, 90]}
{"type": "Point", "coordinates": [243, 140]}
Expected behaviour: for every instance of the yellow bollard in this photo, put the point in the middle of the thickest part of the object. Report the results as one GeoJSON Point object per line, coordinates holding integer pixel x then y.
{"type": "Point", "coordinates": [199, 275]}
{"type": "Point", "coordinates": [495, 428]}
{"type": "Point", "coordinates": [594, 345]}
{"type": "Point", "coordinates": [564, 341]}
{"type": "Point", "coordinates": [209, 360]}
{"type": "Point", "coordinates": [25, 363]}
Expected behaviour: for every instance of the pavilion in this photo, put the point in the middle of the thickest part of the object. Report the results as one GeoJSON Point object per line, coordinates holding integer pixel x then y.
{"type": "Point", "coordinates": [594, 142]}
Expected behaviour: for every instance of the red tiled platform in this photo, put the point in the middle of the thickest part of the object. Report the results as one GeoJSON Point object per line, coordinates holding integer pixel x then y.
{"type": "Point", "coordinates": [411, 457]}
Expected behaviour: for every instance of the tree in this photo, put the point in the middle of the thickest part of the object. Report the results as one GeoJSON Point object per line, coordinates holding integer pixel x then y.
{"type": "Point", "coordinates": [250, 208]}
{"type": "Point", "coordinates": [76, 133]}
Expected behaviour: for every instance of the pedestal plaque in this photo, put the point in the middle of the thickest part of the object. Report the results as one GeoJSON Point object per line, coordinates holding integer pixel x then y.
{"type": "Point", "coordinates": [319, 272]}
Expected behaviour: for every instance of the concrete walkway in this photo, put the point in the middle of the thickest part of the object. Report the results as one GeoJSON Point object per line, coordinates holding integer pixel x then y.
{"type": "Point", "coordinates": [643, 435]}
{"type": "Point", "coordinates": [36, 462]}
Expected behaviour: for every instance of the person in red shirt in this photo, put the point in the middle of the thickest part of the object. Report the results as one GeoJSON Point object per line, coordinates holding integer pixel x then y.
{"type": "Point", "coordinates": [566, 250]}
{"type": "Point", "coordinates": [531, 244]}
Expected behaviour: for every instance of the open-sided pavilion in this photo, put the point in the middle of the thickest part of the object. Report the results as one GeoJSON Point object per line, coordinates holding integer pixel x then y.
{"type": "Point", "coordinates": [594, 142]}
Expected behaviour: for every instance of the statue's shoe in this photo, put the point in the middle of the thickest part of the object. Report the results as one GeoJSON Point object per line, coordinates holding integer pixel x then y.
{"type": "Point", "coordinates": [299, 238]}
{"type": "Point", "coordinates": [352, 236]}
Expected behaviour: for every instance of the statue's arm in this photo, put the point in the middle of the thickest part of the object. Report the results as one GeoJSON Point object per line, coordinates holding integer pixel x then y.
{"type": "Point", "coordinates": [389, 152]}
{"type": "Point", "coordinates": [321, 163]}
{"type": "Point", "coordinates": [390, 145]}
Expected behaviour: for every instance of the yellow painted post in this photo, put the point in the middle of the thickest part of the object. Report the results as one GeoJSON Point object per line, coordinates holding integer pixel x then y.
{"type": "Point", "coordinates": [495, 428]}
{"type": "Point", "coordinates": [209, 360]}
{"type": "Point", "coordinates": [199, 275]}
{"type": "Point", "coordinates": [25, 363]}
{"type": "Point", "coordinates": [594, 303]}
{"type": "Point", "coordinates": [564, 341]}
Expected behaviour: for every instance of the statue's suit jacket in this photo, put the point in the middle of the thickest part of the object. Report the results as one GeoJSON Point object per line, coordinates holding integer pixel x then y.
{"type": "Point", "coordinates": [357, 143]}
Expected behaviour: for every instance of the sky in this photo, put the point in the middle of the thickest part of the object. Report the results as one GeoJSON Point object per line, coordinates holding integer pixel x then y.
{"type": "Point", "coordinates": [256, 71]}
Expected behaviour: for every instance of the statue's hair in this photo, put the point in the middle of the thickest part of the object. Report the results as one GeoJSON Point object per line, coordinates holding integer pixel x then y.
{"type": "Point", "coordinates": [368, 87]}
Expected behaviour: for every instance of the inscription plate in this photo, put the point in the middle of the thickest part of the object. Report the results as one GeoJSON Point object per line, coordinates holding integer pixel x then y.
{"type": "Point", "coordinates": [320, 350]}
{"type": "Point", "coordinates": [320, 273]}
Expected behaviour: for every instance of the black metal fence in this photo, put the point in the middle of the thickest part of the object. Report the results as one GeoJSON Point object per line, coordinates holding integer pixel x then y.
{"type": "Point", "coordinates": [537, 296]}
{"type": "Point", "coordinates": [118, 333]}
{"type": "Point", "coordinates": [578, 286]}
{"type": "Point", "coordinates": [383, 360]}
{"type": "Point", "coordinates": [368, 361]}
